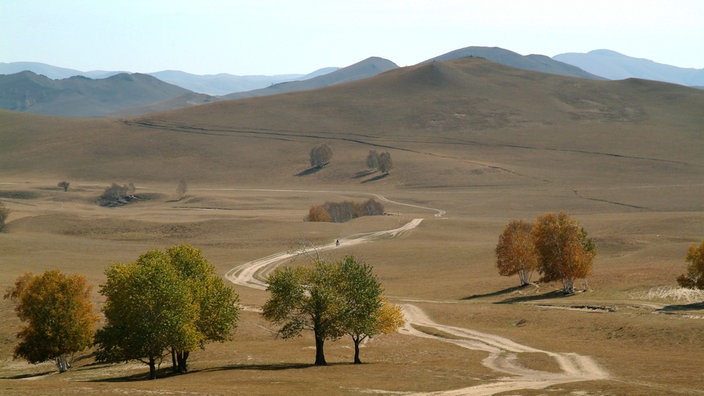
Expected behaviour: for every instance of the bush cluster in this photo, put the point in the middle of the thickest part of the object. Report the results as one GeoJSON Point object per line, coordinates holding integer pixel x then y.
{"type": "Point", "coordinates": [340, 212]}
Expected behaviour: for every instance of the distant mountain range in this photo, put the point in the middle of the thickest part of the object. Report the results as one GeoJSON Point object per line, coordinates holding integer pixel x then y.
{"type": "Point", "coordinates": [615, 66]}
{"type": "Point", "coordinates": [45, 89]}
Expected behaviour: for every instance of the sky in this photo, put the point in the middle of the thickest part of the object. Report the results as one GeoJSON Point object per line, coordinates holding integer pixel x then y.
{"type": "Point", "coordinates": [266, 37]}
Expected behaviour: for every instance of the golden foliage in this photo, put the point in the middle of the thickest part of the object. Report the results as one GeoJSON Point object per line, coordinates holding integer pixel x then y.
{"type": "Point", "coordinates": [694, 278]}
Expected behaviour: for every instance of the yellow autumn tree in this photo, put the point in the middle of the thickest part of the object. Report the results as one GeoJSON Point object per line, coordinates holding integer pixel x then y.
{"type": "Point", "coordinates": [694, 278]}
{"type": "Point", "coordinates": [566, 253]}
{"type": "Point", "coordinates": [58, 314]}
{"type": "Point", "coordinates": [516, 252]}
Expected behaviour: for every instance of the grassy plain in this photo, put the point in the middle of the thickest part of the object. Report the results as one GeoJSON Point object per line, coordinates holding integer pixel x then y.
{"type": "Point", "coordinates": [484, 143]}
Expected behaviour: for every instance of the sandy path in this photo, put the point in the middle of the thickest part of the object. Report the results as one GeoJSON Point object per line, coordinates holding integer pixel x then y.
{"type": "Point", "coordinates": [503, 357]}
{"type": "Point", "coordinates": [503, 353]}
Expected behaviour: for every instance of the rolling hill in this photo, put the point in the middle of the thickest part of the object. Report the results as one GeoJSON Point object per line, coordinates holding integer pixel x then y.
{"type": "Point", "coordinates": [615, 66]}
{"type": "Point", "coordinates": [81, 96]}
{"type": "Point", "coordinates": [539, 63]}
{"type": "Point", "coordinates": [455, 124]}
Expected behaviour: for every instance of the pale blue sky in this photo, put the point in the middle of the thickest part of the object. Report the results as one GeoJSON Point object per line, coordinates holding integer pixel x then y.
{"type": "Point", "coordinates": [276, 37]}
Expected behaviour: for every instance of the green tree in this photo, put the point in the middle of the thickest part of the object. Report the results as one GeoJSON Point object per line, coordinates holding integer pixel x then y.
{"type": "Point", "coordinates": [58, 314]}
{"type": "Point", "coordinates": [366, 313]}
{"type": "Point", "coordinates": [306, 298]}
{"type": "Point", "coordinates": [218, 309]}
{"type": "Point", "coordinates": [565, 250]}
{"type": "Point", "coordinates": [516, 252]}
{"type": "Point", "coordinates": [148, 309]}
{"type": "Point", "coordinates": [694, 278]}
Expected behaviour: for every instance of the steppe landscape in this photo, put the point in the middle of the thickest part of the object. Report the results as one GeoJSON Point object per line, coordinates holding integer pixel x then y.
{"type": "Point", "coordinates": [474, 145]}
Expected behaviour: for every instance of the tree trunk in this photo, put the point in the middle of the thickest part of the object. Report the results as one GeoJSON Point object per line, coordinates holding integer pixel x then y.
{"type": "Point", "coordinates": [568, 286]}
{"type": "Point", "coordinates": [174, 365]}
{"type": "Point", "coordinates": [182, 358]}
{"type": "Point", "coordinates": [152, 368]}
{"type": "Point", "coordinates": [319, 353]}
{"type": "Point", "coordinates": [357, 341]}
{"type": "Point", "coordinates": [524, 276]}
{"type": "Point", "coordinates": [62, 363]}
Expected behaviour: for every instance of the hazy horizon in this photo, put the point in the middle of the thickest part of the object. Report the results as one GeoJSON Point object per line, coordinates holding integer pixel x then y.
{"type": "Point", "coordinates": [272, 37]}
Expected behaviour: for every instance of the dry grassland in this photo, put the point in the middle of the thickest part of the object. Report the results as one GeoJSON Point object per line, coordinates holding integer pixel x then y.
{"type": "Point", "coordinates": [623, 158]}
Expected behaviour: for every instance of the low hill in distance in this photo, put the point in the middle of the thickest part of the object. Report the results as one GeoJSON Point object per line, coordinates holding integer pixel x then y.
{"type": "Point", "coordinates": [616, 66]}
{"type": "Point", "coordinates": [539, 63]}
{"type": "Point", "coordinates": [83, 97]}
{"type": "Point", "coordinates": [364, 69]}
{"type": "Point", "coordinates": [456, 124]}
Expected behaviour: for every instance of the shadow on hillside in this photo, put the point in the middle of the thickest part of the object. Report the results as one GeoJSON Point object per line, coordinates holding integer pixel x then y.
{"type": "Point", "coordinates": [29, 376]}
{"type": "Point", "coordinates": [309, 171]}
{"type": "Point", "coordinates": [375, 178]}
{"type": "Point", "coordinates": [261, 367]}
{"type": "Point", "coordinates": [363, 173]}
{"type": "Point", "coordinates": [544, 296]}
{"type": "Point", "coordinates": [496, 293]}
{"type": "Point", "coordinates": [682, 307]}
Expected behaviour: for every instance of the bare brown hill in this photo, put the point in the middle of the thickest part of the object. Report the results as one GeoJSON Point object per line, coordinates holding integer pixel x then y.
{"type": "Point", "coordinates": [461, 123]}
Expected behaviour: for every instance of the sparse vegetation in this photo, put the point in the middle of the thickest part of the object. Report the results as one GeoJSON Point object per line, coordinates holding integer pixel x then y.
{"type": "Point", "coordinates": [340, 212]}
{"type": "Point", "coordinates": [117, 195]}
{"type": "Point", "coordinates": [58, 314]}
{"type": "Point", "coordinates": [320, 155]}
{"type": "Point", "coordinates": [63, 184]}
{"type": "Point", "coordinates": [181, 189]}
{"type": "Point", "coordinates": [379, 161]}
{"type": "Point", "coordinates": [694, 277]}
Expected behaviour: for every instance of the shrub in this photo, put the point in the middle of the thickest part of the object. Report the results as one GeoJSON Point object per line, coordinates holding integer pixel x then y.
{"type": "Point", "coordinates": [340, 212]}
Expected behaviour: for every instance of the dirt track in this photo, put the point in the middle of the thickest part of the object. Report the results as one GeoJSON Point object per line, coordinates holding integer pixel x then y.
{"type": "Point", "coordinates": [503, 353]}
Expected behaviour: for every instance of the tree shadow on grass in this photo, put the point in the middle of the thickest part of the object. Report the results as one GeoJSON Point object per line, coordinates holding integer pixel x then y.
{"type": "Point", "coordinates": [30, 375]}
{"type": "Point", "coordinates": [375, 178]}
{"type": "Point", "coordinates": [545, 296]}
{"type": "Point", "coordinates": [309, 171]}
{"type": "Point", "coordinates": [496, 293]}
{"type": "Point", "coordinates": [682, 307]}
{"type": "Point", "coordinates": [363, 173]}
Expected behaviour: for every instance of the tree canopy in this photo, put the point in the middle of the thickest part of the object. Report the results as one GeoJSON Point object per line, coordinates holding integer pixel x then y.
{"type": "Point", "coordinates": [320, 155]}
{"type": "Point", "coordinates": [164, 301]}
{"type": "Point", "coordinates": [58, 314]}
{"type": "Point", "coordinates": [694, 277]}
{"type": "Point", "coordinates": [330, 299]}
{"type": "Point", "coordinates": [516, 252]}
{"type": "Point", "coordinates": [565, 250]}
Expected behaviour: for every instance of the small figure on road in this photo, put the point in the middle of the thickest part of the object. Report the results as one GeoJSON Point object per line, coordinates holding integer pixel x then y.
{"type": "Point", "coordinates": [337, 242]}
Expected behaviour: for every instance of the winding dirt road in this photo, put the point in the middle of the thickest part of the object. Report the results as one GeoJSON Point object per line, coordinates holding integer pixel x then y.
{"type": "Point", "coordinates": [503, 353]}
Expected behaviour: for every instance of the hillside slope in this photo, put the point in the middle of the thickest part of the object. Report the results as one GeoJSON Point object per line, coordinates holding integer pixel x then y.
{"type": "Point", "coordinates": [455, 124]}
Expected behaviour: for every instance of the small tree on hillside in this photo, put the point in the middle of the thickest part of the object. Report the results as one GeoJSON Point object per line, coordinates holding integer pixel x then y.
{"type": "Point", "coordinates": [373, 160]}
{"type": "Point", "coordinates": [181, 189]}
{"type": "Point", "coordinates": [63, 184]}
{"type": "Point", "coordinates": [4, 213]}
{"type": "Point", "coordinates": [320, 155]}
{"type": "Point", "coordinates": [694, 277]}
{"type": "Point", "coordinates": [565, 251]}
{"type": "Point", "coordinates": [516, 252]}
{"type": "Point", "coordinates": [58, 314]}
{"type": "Point", "coordinates": [385, 163]}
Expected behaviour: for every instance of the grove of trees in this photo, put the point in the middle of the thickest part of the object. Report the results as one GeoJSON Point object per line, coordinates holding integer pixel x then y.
{"type": "Point", "coordinates": [694, 277]}
{"type": "Point", "coordinates": [165, 302]}
{"type": "Point", "coordinates": [320, 155]}
{"type": "Point", "coordinates": [379, 161]}
{"type": "Point", "coordinates": [340, 212]}
{"type": "Point", "coordinates": [117, 195]}
{"type": "Point", "coordinates": [331, 300]}
{"type": "Point", "coordinates": [556, 245]}
{"type": "Point", "coordinates": [58, 315]}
